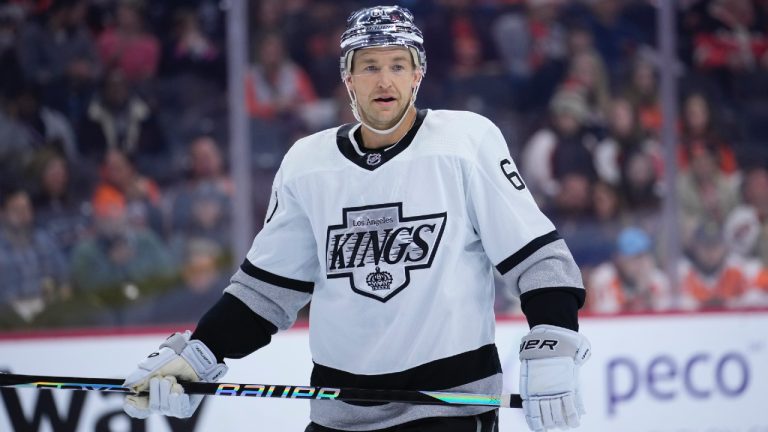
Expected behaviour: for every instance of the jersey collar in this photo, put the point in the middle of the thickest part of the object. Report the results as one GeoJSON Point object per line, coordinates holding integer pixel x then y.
{"type": "Point", "coordinates": [349, 136]}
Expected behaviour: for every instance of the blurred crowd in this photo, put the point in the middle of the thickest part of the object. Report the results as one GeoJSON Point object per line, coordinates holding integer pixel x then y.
{"type": "Point", "coordinates": [116, 199]}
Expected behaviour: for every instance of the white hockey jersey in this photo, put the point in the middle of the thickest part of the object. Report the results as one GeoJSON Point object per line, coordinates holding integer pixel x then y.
{"type": "Point", "coordinates": [396, 249]}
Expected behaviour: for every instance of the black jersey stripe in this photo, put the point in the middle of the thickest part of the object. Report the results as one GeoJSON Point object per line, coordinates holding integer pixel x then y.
{"type": "Point", "coordinates": [292, 284]}
{"type": "Point", "coordinates": [526, 251]}
{"type": "Point", "coordinates": [441, 374]}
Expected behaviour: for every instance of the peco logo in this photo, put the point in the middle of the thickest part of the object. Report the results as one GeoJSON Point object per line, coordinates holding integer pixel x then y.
{"type": "Point", "coordinates": [700, 376]}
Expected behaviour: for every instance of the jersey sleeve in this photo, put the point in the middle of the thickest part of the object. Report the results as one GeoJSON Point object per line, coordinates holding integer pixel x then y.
{"type": "Point", "coordinates": [518, 238]}
{"type": "Point", "coordinates": [276, 279]}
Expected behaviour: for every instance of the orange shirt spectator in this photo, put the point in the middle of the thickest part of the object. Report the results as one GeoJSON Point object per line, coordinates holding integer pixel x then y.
{"type": "Point", "coordinates": [631, 282]}
{"type": "Point", "coordinates": [698, 132]}
{"type": "Point", "coordinates": [712, 278]}
{"type": "Point", "coordinates": [124, 188]}
{"type": "Point", "coordinates": [642, 90]}
{"type": "Point", "coordinates": [714, 290]}
{"type": "Point", "coordinates": [276, 85]}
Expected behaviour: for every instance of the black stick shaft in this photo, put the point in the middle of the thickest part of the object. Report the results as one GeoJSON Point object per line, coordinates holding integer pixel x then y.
{"type": "Point", "coordinates": [270, 391]}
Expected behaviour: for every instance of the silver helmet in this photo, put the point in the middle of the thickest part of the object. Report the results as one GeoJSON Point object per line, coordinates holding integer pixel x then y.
{"type": "Point", "coordinates": [381, 26]}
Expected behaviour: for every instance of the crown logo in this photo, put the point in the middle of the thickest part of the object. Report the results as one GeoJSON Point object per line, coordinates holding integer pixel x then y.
{"type": "Point", "coordinates": [379, 280]}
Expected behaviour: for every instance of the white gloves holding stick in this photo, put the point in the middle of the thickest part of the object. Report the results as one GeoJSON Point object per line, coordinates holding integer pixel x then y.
{"type": "Point", "coordinates": [550, 357]}
{"type": "Point", "coordinates": [177, 358]}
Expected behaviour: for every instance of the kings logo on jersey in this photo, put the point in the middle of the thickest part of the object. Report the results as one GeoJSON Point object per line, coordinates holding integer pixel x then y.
{"type": "Point", "coordinates": [376, 247]}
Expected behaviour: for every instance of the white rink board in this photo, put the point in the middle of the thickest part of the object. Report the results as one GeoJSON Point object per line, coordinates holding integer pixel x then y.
{"type": "Point", "coordinates": [676, 373]}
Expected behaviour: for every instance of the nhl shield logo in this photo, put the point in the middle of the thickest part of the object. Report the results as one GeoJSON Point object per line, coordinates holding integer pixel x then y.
{"type": "Point", "coordinates": [373, 159]}
{"type": "Point", "coordinates": [377, 248]}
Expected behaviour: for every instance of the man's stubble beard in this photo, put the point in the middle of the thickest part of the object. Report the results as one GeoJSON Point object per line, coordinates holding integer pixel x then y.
{"type": "Point", "coordinates": [371, 121]}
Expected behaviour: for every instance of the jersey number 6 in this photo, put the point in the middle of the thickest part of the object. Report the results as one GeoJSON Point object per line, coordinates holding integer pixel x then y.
{"type": "Point", "coordinates": [512, 176]}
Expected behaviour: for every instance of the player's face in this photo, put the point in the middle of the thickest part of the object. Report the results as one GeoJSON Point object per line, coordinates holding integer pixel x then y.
{"type": "Point", "coordinates": [382, 80]}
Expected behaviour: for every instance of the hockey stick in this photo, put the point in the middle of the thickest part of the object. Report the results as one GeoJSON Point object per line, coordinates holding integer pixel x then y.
{"type": "Point", "coordinates": [270, 391]}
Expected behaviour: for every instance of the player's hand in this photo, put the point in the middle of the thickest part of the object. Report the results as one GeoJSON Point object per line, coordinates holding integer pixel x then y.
{"type": "Point", "coordinates": [550, 357]}
{"type": "Point", "coordinates": [178, 358]}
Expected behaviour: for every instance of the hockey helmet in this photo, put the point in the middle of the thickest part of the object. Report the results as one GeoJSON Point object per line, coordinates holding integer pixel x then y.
{"type": "Point", "coordinates": [381, 26]}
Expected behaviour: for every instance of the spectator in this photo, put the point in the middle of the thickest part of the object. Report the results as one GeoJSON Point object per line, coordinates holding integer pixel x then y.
{"type": "Point", "coordinates": [450, 22]}
{"type": "Point", "coordinates": [608, 221]}
{"type": "Point", "coordinates": [268, 17]}
{"type": "Point", "coordinates": [706, 195]}
{"type": "Point", "coordinates": [590, 226]}
{"type": "Point", "coordinates": [275, 85]}
{"type": "Point", "coordinates": [571, 212]}
{"type": "Point", "coordinates": [44, 127]}
{"type": "Point", "coordinates": [140, 196]}
{"type": "Point", "coordinates": [616, 36]}
{"type": "Point", "coordinates": [15, 149]}
{"type": "Point", "coordinates": [201, 206]}
{"type": "Point", "coordinates": [60, 57]}
{"type": "Point", "coordinates": [58, 200]}
{"type": "Point", "coordinates": [472, 78]}
{"type": "Point", "coordinates": [275, 89]}
{"type": "Point", "coordinates": [312, 37]}
{"type": "Point", "coordinates": [639, 188]}
{"type": "Point", "coordinates": [606, 203]}
{"type": "Point", "coordinates": [467, 58]}
{"type": "Point", "coordinates": [563, 148]}
{"type": "Point", "coordinates": [533, 47]}
{"type": "Point", "coordinates": [631, 282]}
{"type": "Point", "coordinates": [625, 137]}
{"type": "Point", "coordinates": [746, 227]}
{"type": "Point", "coordinates": [25, 129]}
{"type": "Point", "coordinates": [11, 74]}
{"type": "Point", "coordinates": [189, 94]}
{"type": "Point", "coordinates": [190, 52]}
{"type": "Point", "coordinates": [711, 277]}
{"type": "Point", "coordinates": [699, 130]}
{"type": "Point", "coordinates": [118, 119]}
{"type": "Point", "coordinates": [643, 92]}
{"type": "Point", "coordinates": [474, 83]}
{"type": "Point", "coordinates": [127, 46]}
{"type": "Point", "coordinates": [587, 76]}
{"type": "Point", "coordinates": [730, 44]}
{"type": "Point", "coordinates": [580, 40]}
{"type": "Point", "coordinates": [116, 267]}
{"type": "Point", "coordinates": [33, 270]}
{"type": "Point", "coordinates": [202, 274]}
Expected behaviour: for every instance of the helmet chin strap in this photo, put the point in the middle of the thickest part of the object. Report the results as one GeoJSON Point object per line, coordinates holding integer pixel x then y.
{"type": "Point", "coordinates": [358, 117]}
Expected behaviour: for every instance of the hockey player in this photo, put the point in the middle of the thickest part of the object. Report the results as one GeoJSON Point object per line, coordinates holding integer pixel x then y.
{"type": "Point", "coordinates": [391, 227]}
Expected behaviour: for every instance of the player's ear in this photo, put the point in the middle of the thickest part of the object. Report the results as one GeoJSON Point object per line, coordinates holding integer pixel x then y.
{"type": "Point", "coordinates": [348, 84]}
{"type": "Point", "coordinates": [417, 76]}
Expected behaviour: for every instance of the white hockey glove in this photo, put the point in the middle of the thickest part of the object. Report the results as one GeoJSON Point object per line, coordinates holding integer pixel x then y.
{"type": "Point", "coordinates": [550, 357]}
{"type": "Point", "coordinates": [177, 358]}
